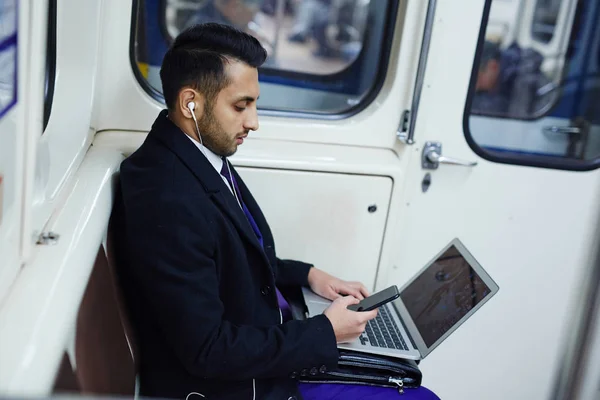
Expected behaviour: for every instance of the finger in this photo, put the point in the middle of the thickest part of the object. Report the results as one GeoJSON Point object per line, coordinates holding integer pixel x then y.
{"type": "Point", "coordinates": [356, 293]}
{"type": "Point", "coordinates": [332, 294]}
{"type": "Point", "coordinates": [347, 300]}
{"type": "Point", "coordinates": [356, 284]}
{"type": "Point", "coordinates": [360, 287]}
{"type": "Point", "coordinates": [363, 290]}
{"type": "Point", "coordinates": [367, 315]}
{"type": "Point", "coordinates": [347, 289]}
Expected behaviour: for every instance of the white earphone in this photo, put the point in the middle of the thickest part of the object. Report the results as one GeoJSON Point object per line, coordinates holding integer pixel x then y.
{"type": "Point", "coordinates": [191, 106]}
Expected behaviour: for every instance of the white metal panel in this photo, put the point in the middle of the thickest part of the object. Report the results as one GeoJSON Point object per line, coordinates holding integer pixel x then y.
{"type": "Point", "coordinates": [279, 154]}
{"type": "Point", "coordinates": [530, 228]}
{"type": "Point", "coordinates": [324, 219]}
{"type": "Point", "coordinates": [69, 132]}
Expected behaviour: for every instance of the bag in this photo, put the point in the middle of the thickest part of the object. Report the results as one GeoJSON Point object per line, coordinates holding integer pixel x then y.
{"type": "Point", "coordinates": [357, 368]}
{"type": "Point", "coordinates": [372, 370]}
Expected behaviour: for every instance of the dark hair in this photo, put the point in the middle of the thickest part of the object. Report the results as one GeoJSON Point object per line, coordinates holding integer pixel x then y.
{"type": "Point", "coordinates": [198, 55]}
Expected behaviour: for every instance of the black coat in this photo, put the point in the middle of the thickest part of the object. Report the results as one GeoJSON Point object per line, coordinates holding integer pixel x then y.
{"type": "Point", "coordinates": [199, 286]}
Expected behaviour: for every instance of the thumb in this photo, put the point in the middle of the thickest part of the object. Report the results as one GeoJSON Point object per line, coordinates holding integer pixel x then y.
{"type": "Point", "coordinates": [368, 315]}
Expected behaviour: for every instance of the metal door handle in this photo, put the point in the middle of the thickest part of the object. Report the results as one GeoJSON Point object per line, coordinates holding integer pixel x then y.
{"type": "Point", "coordinates": [432, 157]}
{"type": "Point", "coordinates": [567, 130]}
{"type": "Point", "coordinates": [435, 158]}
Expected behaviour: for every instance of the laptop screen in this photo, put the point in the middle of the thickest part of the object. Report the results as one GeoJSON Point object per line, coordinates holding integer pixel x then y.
{"type": "Point", "coordinates": [443, 294]}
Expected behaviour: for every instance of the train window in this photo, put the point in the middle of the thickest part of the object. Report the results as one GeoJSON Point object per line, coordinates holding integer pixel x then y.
{"type": "Point", "coordinates": [50, 62]}
{"type": "Point", "coordinates": [8, 55]}
{"type": "Point", "coordinates": [532, 104]}
{"type": "Point", "coordinates": [326, 57]}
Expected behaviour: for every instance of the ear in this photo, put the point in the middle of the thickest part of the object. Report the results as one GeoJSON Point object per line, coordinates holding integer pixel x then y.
{"type": "Point", "coordinates": [187, 95]}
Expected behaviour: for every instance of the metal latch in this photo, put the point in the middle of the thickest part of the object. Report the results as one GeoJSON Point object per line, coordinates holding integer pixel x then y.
{"type": "Point", "coordinates": [47, 238]}
{"type": "Point", "coordinates": [402, 132]}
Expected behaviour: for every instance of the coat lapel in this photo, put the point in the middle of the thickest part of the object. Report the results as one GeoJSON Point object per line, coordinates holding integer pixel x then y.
{"type": "Point", "coordinates": [229, 206]}
{"type": "Point", "coordinates": [173, 138]}
{"type": "Point", "coordinates": [259, 218]}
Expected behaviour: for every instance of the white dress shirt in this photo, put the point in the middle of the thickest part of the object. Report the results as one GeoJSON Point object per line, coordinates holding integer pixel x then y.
{"type": "Point", "coordinates": [213, 159]}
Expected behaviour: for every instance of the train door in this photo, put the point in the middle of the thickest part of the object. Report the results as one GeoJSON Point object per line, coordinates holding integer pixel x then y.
{"type": "Point", "coordinates": [526, 210]}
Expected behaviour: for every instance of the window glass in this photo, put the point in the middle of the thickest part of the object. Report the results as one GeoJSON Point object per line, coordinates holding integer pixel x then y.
{"type": "Point", "coordinates": [545, 18]}
{"type": "Point", "coordinates": [8, 55]}
{"type": "Point", "coordinates": [325, 56]}
{"type": "Point", "coordinates": [520, 109]}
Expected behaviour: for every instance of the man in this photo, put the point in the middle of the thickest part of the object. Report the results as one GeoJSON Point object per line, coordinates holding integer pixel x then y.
{"type": "Point", "coordinates": [510, 83]}
{"type": "Point", "coordinates": [198, 264]}
{"type": "Point", "coordinates": [489, 97]}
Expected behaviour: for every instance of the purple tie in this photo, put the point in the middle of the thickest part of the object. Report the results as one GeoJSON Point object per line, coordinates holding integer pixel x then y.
{"type": "Point", "coordinates": [283, 304]}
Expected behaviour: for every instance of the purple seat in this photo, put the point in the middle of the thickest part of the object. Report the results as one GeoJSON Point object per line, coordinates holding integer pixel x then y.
{"type": "Point", "coordinates": [316, 391]}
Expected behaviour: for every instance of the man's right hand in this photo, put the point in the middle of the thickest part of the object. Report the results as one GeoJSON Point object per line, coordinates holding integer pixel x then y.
{"type": "Point", "coordinates": [347, 325]}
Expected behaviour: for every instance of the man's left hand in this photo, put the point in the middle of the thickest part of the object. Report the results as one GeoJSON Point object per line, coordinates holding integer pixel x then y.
{"type": "Point", "coordinates": [331, 287]}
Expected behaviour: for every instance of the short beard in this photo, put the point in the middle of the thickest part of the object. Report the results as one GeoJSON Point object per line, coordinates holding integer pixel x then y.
{"type": "Point", "coordinates": [214, 137]}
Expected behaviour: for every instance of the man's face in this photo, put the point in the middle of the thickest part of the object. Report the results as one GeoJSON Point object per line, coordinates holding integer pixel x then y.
{"type": "Point", "coordinates": [229, 118]}
{"type": "Point", "coordinates": [487, 79]}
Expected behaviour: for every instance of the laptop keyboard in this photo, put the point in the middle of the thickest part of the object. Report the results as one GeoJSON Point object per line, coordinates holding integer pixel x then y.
{"type": "Point", "coordinates": [383, 332]}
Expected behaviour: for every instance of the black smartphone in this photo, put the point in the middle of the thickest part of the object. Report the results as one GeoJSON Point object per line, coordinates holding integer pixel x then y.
{"type": "Point", "coordinates": [376, 300]}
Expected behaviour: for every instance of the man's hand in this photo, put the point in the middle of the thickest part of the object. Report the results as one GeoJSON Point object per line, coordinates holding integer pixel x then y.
{"type": "Point", "coordinates": [347, 325]}
{"type": "Point", "coordinates": [332, 288]}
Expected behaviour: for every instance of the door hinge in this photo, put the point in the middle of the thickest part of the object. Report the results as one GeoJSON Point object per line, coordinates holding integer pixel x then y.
{"type": "Point", "coordinates": [402, 132]}
{"type": "Point", "coordinates": [47, 238]}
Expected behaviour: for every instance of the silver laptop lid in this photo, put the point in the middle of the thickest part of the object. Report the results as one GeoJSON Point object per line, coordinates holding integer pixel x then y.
{"type": "Point", "coordinates": [443, 295]}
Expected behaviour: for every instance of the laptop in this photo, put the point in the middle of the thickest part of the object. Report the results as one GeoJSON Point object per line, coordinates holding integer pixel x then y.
{"type": "Point", "coordinates": [431, 306]}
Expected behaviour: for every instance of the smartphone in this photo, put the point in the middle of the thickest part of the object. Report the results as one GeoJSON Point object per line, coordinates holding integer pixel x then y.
{"type": "Point", "coordinates": [376, 300]}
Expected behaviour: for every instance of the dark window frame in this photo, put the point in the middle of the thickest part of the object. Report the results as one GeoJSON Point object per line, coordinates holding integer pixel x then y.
{"type": "Point", "coordinates": [293, 78]}
{"type": "Point", "coordinates": [50, 62]}
{"type": "Point", "coordinates": [505, 156]}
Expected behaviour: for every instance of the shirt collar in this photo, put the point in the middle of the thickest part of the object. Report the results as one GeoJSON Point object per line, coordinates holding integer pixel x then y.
{"type": "Point", "coordinates": [215, 160]}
